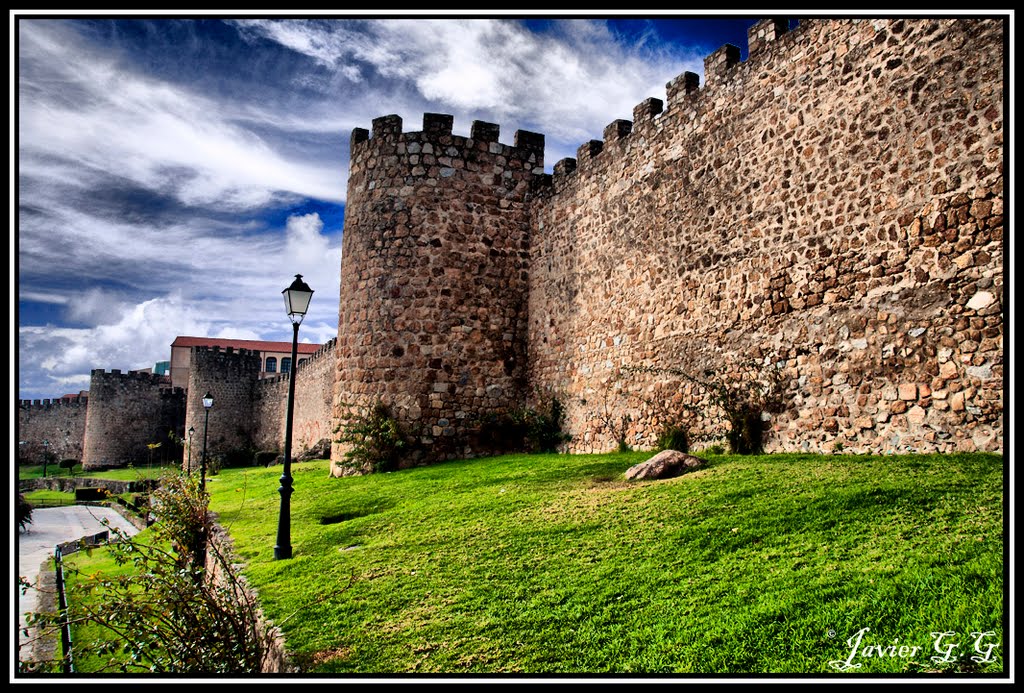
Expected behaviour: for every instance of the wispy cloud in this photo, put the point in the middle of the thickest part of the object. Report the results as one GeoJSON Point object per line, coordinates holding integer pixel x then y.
{"type": "Point", "coordinates": [173, 175]}
{"type": "Point", "coordinates": [567, 82]}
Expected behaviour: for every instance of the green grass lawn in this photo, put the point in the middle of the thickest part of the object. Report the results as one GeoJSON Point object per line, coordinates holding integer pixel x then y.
{"type": "Point", "coordinates": [556, 564]}
{"type": "Point", "coordinates": [45, 497]}
{"type": "Point", "coordinates": [133, 473]}
{"type": "Point", "coordinates": [99, 565]}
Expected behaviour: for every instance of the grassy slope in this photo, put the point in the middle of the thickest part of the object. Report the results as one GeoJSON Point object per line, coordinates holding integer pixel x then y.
{"type": "Point", "coordinates": [124, 474]}
{"type": "Point", "coordinates": [553, 563]}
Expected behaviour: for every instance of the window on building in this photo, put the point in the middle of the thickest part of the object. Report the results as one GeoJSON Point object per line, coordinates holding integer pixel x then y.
{"type": "Point", "coordinates": [271, 364]}
{"type": "Point", "coordinates": [302, 361]}
{"type": "Point", "coordinates": [286, 364]}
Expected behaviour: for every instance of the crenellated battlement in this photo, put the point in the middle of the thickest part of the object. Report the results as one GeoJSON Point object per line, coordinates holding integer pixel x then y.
{"type": "Point", "coordinates": [683, 92]}
{"type": "Point", "coordinates": [831, 205]}
{"type": "Point", "coordinates": [326, 349]}
{"type": "Point", "coordinates": [76, 401]}
{"type": "Point", "coordinates": [226, 350]}
{"type": "Point", "coordinates": [228, 360]}
{"type": "Point", "coordinates": [436, 151]}
{"type": "Point", "coordinates": [787, 201]}
{"type": "Point", "coordinates": [126, 413]}
{"type": "Point", "coordinates": [115, 374]}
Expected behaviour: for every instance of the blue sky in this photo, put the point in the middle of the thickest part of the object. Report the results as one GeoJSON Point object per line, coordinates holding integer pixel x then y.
{"type": "Point", "coordinates": [174, 173]}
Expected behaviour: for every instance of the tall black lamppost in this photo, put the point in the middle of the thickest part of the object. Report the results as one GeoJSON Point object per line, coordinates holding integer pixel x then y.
{"type": "Point", "coordinates": [207, 403]}
{"type": "Point", "coordinates": [296, 303]}
{"type": "Point", "coordinates": [191, 430]}
{"type": "Point", "coordinates": [46, 455]}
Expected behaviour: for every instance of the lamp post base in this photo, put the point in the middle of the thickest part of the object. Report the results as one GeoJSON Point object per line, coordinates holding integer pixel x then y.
{"type": "Point", "coordinates": [283, 548]}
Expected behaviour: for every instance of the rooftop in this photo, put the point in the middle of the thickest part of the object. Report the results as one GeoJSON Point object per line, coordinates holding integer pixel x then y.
{"type": "Point", "coordinates": [251, 344]}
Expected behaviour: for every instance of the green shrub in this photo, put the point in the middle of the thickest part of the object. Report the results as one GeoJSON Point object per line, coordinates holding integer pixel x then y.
{"type": "Point", "coordinates": [505, 431]}
{"type": "Point", "coordinates": [746, 432]}
{"type": "Point", "coordinates": [265, 458]}
{"type": "Point", "coordinates": [524, 429]}
{"type": "Point", "coordinates": [235, 457]}
{"type": "Point", "coordinates": [163, 608]}
{"type": "Point", "coordinates": [743, 394]}
{"type": "Point", "coordinates": [544, 429]}
{"type": "Point", "coordinates": [375, 440]}
{"type": "Point", "coordinates": [674, 437]}
{"type": "Point", "coordinates": [24, 512]}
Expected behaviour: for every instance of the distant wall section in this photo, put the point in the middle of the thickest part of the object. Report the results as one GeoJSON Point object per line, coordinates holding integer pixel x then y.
{"type": "Point", "coordinates": [314, 388]}
{"type": "Point", "coordinates": [127, 413]}
{"type": "Point", "coordinates": [54, 426]}
{"type": "Point", "coordinates": [230, 376]}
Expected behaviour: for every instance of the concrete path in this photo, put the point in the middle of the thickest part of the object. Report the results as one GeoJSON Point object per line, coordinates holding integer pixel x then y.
{"type": "Point", "coordinates": [52, 526]}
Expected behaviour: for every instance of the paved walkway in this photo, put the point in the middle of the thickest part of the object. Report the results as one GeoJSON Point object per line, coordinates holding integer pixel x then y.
{"type": "Point", "coordinates": [52, 526]}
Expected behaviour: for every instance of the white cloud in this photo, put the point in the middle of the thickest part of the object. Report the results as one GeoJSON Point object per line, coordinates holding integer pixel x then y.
{"type": "Point", "coordinates": [196, 258]}
{"type": "Point", "coordinates": [160, 136]}
{"type": "Point", "coordinates": [567, 85]}
{"type": "Point", "coordinates": [233, 291]}
{"type": "Point", "coordinates": [95, 306]}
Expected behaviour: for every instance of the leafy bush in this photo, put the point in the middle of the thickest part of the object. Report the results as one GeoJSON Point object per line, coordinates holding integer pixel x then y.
{"type": "Point", "coordinates": [68, 464]}
{"type": "Point", "coordinates": [265, 458]}
{"type": "Point", "coordinates": [544, 429]}
{"type": "Point", "coordinates": [24, 512]}
{"type": "Point", "coordinates": [169, 613]}
{"type": "Point", "coordinates": [374, 439]}
{"type": "Point", "coordinates": [235, 457]}
{"type": "Point", "coordinates": [524, 429]}
{"type": "Point", "coordinates": [742, 394]}
{"type": "Point", "coordinates": [505, 431]}
{"type": "Point", "coordinates": [674, 437]}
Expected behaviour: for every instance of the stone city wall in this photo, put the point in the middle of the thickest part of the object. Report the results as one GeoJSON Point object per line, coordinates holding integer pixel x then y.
{"type": "Point", "coordinates": [311, 415]}
{"type": "Point", "coordinates": [832, 207]}
{"type": "Point", "coordinates": [54, 426]}
{"type": "Point", "coordinates": [127, 413]}
{"type": "Point", "coordinates": [828, 211]}
{"type": "Point", "coordinates": [433, 277]}
{"type": "Point", "coordinates": [230, 376]}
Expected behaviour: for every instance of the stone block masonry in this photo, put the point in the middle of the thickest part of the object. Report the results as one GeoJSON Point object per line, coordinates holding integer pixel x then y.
{"type": "Point", "coordinates": [60, 423]}
{"type": "Point", "coordinates": [314, 389]}
{"type": "Point", "coordinates": [434, 273]}
{"type": "Point", "coordinates": [127, 412]}
{"type": "Point", "coordinates": [831, 207]}
{"type": "Point", "coordinates": [230, 376]}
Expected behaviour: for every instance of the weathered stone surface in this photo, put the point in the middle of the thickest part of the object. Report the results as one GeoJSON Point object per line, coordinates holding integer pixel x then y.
{"type": "Point", "coordinates": [982, 299]}
{"type": "Point", "coordinates": [831, 207]}
{"type": "Point", "coordinates": [846, 253]}
{"type": "Point", "coordinates": [665, 465]}
{"type": "Point", "coordinates": [126, 413]}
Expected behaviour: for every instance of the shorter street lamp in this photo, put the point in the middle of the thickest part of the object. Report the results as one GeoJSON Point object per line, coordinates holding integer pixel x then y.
{"type": "Point", "coordinates": [46, 455]}
{"type": "Point", "coordinates": [296, 303]}
{"type": "Point", "coordinates": [191, 430]}
{"type": "Point", "coordinates": [207, 404]}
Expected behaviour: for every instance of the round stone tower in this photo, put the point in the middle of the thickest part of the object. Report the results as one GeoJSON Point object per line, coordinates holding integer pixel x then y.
{"type": "Point", "coordinates": [434, 268]}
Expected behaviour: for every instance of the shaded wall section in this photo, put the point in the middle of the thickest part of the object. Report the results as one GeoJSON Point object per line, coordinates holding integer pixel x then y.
{"type": "Point", "coordinates": [311, 423]}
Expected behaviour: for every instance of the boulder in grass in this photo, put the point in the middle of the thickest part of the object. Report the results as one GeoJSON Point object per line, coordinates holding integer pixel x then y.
{"type": "Point", "coordinates": [665, 465]}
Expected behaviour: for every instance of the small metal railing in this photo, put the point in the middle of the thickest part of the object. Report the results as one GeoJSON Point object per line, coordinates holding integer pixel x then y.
{"type": "Point", "coordinates": [67, 664]}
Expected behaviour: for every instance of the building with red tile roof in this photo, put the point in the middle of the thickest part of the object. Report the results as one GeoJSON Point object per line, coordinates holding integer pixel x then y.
{"type": "Point", "coordinates": [275, 356]}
